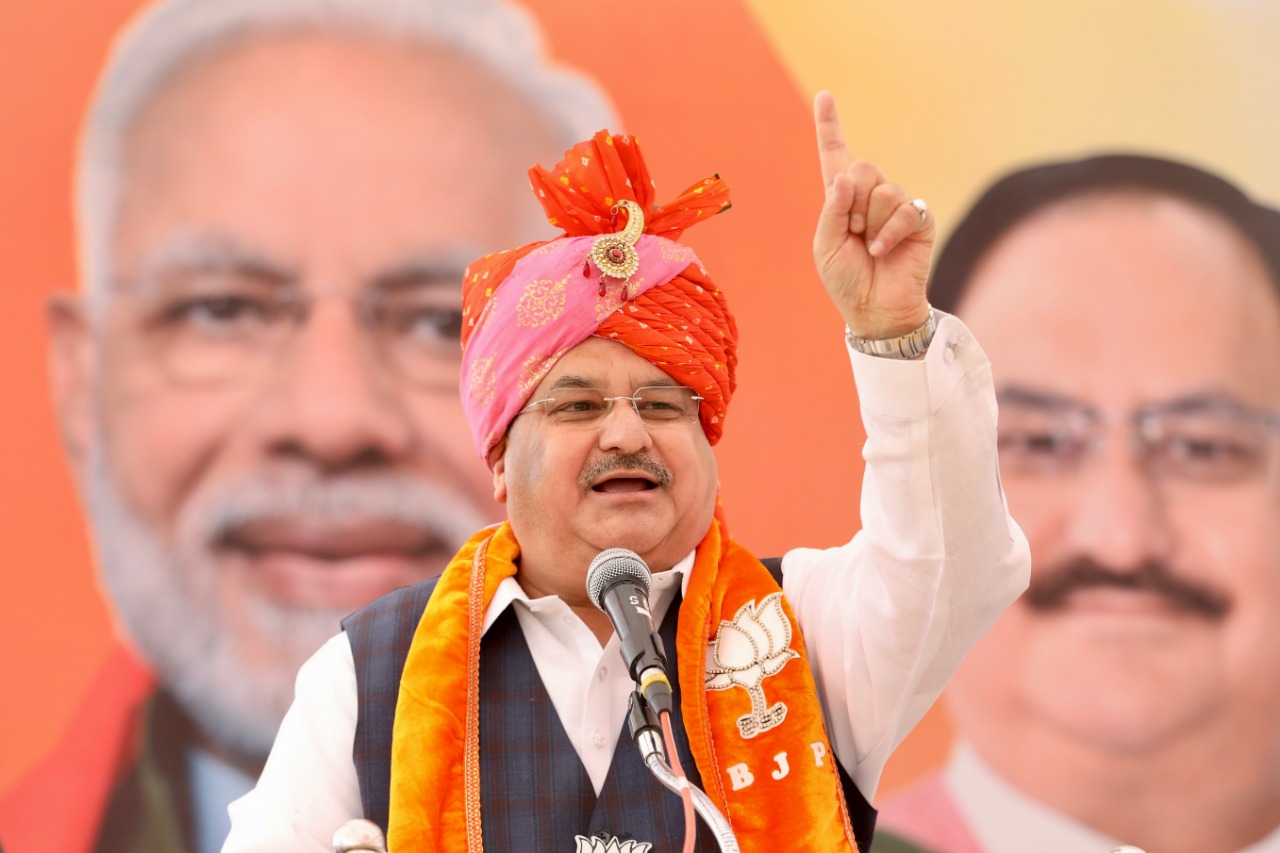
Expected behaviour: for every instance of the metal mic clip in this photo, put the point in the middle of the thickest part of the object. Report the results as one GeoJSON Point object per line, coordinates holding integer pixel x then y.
{"type": "Point", "coordinates": [643, 724]}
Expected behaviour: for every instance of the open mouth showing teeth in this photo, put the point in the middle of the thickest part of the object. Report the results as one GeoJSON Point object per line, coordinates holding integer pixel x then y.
{"type": "Point", "coordinates": [624, 484]}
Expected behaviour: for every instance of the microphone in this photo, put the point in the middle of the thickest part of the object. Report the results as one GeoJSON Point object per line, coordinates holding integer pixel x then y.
{"type": "Point", "coordinates": [618, 583]}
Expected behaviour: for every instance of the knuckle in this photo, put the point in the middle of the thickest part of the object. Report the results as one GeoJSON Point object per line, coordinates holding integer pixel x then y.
{"type": "Point", "coordinates": [888, 191]}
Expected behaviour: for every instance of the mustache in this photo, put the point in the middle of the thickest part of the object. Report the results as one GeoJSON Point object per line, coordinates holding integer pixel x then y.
{"type": "Point", "coordinates": [597, 468]}
{"type": "Point", "coordinates": [1050, 592]}
{"type": "Point", "coordinates": [386, 496]}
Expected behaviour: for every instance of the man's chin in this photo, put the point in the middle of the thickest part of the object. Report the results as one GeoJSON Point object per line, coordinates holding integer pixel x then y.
{"type": "Point", "coordinates": [640, 526]}
{"type": "Point", "coordinates": [239, 685]}
{"type": "Point", "coordinates": [227, 635]}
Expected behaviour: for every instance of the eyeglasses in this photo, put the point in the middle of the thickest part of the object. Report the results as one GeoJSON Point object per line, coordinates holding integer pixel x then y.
{"type": "Point", "coordinates": [655, 404]}
{"type": "Point", "coordinates": [1199, 439]}
{"type": "Point", "coordinates": [212, 327]}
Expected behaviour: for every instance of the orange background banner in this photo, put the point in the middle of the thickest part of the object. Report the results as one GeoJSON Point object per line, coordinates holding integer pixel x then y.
{"type": "Point", "coordinates": [944, 96]}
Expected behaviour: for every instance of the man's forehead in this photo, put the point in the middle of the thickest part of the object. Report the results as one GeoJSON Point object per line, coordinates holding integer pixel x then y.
{"type": "Point", "coordinates": [195, 252]}
{"type": "Point", "coordinates": [355, 171]}
{"type": "Point", "coordinates": [363, 81]}
{"type": "Point", "coordinates": [601, 363]}
{"type": "Point", "coordinates": [1121, 245]}
{"type": "Point", "coordinates": [305, 53]}
{"type": "Point", "coordinates": [1126, 299]}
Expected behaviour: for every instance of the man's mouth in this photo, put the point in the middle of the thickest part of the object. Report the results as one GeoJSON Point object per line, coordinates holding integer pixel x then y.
{"type": "Point", "coordinates": [624, 482]}
{"type": "Point", "coordinates": [1105, 601]}
{"type": "Point", "coordinates": [626, 473]}
{"type": "Point", "coordinates": [327, 562]}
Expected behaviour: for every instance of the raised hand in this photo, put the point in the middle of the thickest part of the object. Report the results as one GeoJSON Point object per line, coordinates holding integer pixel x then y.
{"type": "Point", "coordinates": [873, 244]}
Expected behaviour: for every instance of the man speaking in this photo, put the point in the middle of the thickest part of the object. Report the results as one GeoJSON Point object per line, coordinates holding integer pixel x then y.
{"type": "Point", "coordinates": [485, 709]}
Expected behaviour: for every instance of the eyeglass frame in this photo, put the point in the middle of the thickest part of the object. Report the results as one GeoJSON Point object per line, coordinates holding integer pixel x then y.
{"type": "Point", "coordinates": [1141, 418]}
{"type": "Point", "coordinates": [634, 399]}
{"type": "Point", "coordinates": [295, 303]}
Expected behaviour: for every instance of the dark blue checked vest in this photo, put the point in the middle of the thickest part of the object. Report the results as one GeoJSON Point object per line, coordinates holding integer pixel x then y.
{"type": "Point", "coordinates": [534, 792]}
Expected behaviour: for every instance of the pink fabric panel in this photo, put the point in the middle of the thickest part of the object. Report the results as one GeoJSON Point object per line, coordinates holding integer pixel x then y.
{"type": "Point", "coordinates": [541, 311]}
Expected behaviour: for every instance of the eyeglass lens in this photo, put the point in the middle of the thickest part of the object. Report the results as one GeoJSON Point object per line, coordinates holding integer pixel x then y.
{"type": "Point", "coordinates": [215, 326]}
{"type": "Point", "coordinates": [1224, 442]}
{"type": "Point", "coordinates": [655, 404]}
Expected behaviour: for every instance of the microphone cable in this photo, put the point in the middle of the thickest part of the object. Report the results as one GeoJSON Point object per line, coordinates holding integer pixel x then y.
{"type": "Point", "coordinates": [686, 790]}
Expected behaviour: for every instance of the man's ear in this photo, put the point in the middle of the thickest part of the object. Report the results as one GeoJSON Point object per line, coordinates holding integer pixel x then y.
{"type": "Point", "coordinates": [70, 373]}
{"type": "Point", "coordinates": [498, 464]}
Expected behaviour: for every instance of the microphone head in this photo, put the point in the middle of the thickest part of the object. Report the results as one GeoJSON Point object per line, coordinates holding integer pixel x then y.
{"type": "Point", "coordinates": [614, 566]}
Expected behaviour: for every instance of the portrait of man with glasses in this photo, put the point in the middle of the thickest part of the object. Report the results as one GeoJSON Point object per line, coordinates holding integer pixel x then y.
{"type": "Point", "coordinates": [1131, 309]}
{"type": "Point", "coordinates": [257, 382]}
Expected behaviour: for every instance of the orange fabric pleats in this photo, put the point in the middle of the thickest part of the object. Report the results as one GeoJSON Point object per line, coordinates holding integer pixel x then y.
{"type": "Point", "coordinates": [435, 754]}
{"type": "Point", "coordinates": [779, 787]}
{"type": "Point", "coordinates": [750, 707]}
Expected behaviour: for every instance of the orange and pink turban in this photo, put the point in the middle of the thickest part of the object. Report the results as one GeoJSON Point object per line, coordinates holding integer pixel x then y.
{"type": "Point", "coordinates": [525, 308]}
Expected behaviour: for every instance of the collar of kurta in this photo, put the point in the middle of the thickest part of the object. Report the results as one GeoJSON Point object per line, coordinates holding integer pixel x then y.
{"type": "Point", "coordinates": [755, 728]}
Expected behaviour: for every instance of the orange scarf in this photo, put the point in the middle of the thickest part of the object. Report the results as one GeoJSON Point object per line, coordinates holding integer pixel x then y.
{"type": "Point", "coordinates": [755, 732]}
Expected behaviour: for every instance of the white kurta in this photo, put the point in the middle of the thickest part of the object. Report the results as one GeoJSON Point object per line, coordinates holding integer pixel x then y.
{"type": "Point", "coordinates": [886, 617]}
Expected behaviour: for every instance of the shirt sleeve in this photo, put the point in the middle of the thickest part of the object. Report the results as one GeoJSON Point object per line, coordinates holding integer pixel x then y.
{"type": "Point", "coordinates": [309, 786]}
{"type": "Point", "coordinates": [888, 617]}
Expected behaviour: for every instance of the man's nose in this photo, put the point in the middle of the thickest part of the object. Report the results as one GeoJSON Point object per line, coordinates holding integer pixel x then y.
{"type": "Point", "coordinates": [328, 400]}
{"type": "Point", "coordinates": [1120, 514]}
{"type": "Point", "coordinates": [623, 430]}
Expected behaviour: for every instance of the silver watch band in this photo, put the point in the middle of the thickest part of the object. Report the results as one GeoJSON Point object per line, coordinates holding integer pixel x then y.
{"type": "Point", "coordinates": [910, 345]}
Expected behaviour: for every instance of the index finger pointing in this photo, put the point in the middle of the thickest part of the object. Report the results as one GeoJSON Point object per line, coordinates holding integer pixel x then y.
{"type": "Point", "coordinates": [833, 154]}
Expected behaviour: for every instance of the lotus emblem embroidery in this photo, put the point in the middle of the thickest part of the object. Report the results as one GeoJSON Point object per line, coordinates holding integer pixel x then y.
{"type": "Point", "coordinates": [754, 646]}
{"type": "Point", "coordinates": [613, 845]}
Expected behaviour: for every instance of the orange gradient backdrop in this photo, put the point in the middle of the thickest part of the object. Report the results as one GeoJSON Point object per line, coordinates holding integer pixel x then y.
{"type": "Point", "coordinates": [698, 83]}
{"type": "Point", "coordinates": [943, 95]}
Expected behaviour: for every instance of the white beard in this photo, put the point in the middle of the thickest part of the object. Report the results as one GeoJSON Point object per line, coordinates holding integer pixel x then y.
{"type": "Point", "coordinates": [172, 603]}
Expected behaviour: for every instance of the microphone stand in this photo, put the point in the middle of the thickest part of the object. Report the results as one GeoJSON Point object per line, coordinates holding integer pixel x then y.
{"type": "Point", "coordinates": [642, 722]}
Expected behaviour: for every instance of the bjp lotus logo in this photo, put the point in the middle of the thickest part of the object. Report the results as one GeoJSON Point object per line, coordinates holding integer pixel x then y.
{"type": "Point", "coordinates": [613, 845]}
{"type": "Point", "coordinates": [754, 646]}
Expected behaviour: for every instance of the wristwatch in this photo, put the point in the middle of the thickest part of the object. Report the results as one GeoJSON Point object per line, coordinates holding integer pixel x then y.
{"type": "Point", "coordinates": [910, 345]}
